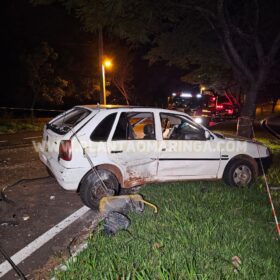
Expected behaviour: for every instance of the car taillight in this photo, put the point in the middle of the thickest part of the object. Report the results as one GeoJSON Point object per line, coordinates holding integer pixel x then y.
{"type": "Point", "coordinates": [65, 150]}
{"type": "Point", "coordinates": [220, 106]}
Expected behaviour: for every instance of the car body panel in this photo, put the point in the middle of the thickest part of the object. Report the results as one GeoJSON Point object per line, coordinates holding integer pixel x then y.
{"type": "Point", "coordinates": [140, 160]}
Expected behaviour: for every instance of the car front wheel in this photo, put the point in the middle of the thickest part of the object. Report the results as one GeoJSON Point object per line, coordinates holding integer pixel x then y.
{"type": "Point", "coordinates": [240, 173]}
{"type": "Point", "coordinates": [92, 189]}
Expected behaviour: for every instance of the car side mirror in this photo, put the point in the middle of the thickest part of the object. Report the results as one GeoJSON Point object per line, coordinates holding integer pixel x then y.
{"type": "Point", "coordinates": [207, 135]}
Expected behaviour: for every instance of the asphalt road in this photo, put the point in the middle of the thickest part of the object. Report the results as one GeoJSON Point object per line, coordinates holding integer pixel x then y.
{"type": "Point", "coordinates": [35, 207]}
{"type": "Point", "coordinates": [19, 139]}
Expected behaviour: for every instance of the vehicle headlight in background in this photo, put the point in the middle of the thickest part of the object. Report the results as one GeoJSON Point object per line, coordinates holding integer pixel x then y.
{"type": "Point", "coordinates": [186, 94]}
{"type": "Point", "coordinates": [198, 120]}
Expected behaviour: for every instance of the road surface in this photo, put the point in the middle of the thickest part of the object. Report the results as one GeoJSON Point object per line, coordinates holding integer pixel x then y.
{"type": "Point", "coordinates": [19, 139]}
{"type": "Point", "coordinates": [34, 208]}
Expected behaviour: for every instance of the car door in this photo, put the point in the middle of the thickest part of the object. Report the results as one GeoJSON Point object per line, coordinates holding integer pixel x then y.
{"type": "Point", "coordinates": [133, 147]}
{"type": "Point", "coordinates": [185, 150]}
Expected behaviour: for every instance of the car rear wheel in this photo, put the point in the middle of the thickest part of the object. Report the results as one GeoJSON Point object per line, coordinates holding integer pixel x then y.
{"type": "Point", "coordinates": [92, 189]}
{"type": "Point", "coordinates": [240, 173]}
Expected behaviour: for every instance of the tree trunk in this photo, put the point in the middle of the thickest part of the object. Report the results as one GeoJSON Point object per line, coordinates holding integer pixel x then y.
{"type": "Point", "coordinates": [34, 100]}
{"type": "Point", "coordinates": [246, 120]}
{"type": "Point", "coordinates": [274, 103]}
{"type": "Point", "coordinates": [126, 98]}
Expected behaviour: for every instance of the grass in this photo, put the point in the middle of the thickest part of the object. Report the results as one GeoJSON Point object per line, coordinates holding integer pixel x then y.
{"type": "Point", "coordinates": [13, 125]}
{"type": "Point", "coordinates": [200, 227]}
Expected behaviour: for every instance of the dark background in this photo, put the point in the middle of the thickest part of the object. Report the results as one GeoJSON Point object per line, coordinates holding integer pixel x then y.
{"type": "Point", "coordinates": [25, 27]}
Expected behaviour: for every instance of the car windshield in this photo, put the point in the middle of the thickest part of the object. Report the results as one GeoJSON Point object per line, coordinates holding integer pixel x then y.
{"type": "Point", "coordinates": [191, 103]}
{"type": "Point", "coordinates": [223, 99]}
{"type": "Point", "coordinates": [68, 120]}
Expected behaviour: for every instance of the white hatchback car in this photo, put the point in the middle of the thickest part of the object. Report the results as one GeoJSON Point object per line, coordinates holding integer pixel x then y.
{"type": "Point", "coordinates": [106, 150]}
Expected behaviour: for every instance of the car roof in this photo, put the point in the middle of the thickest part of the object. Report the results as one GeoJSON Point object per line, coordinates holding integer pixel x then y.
{"type": "Point", "coordinates": [116, 107]}
{"type": "Point", "coordinates": [97, 106]}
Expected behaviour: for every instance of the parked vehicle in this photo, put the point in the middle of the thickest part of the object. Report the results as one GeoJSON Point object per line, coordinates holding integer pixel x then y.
{"type": "Point", "coordinates": [205, 107]}
{"type": "Point", "coordinates": [104, 150]}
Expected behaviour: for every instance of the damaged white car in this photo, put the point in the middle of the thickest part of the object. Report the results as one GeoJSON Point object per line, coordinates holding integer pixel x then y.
{"type": "Point", "coordinates": [105, 150]}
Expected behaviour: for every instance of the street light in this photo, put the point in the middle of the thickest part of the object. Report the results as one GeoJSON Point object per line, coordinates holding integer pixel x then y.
{"type": "Point", "coordinates": [105, 64]}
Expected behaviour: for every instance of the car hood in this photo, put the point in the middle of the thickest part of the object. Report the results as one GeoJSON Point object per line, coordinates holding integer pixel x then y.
{"type": "Point", "coordinates": [233, 145]}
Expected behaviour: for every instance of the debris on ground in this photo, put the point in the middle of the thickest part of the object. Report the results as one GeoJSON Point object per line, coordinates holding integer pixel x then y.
{"type": "Point", "coordinates": [123, 204]}
{"type": "Point", "coordinates": [115, 222]}
{"type": "Point", "coordinates": [52, 197]}
{"type": "Point", "coordinates": [236, 262]}
{"type": "Point", "coordinates": [25, 217]}
{"type": "Point", "coordinates": [8, 223]}
{"type": "Point", "coordinates": [115, 209]}
{"type": "Point", "coordinates": [157, 245]}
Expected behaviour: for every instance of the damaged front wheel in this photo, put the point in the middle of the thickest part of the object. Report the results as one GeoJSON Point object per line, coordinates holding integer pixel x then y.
{"type": "Point", "coordinates": [95, 186]}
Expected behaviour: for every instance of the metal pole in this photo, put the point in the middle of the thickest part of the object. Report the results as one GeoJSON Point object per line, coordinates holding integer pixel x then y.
{"type": "Point", "coordinates": [100, 46]}
{"type": "Point", "coordinates": [103, 84]}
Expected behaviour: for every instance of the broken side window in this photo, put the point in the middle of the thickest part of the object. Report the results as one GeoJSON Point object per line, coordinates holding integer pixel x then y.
{"type": "Point", "coordinates": [103, 129]}
{"type": "Point", "coordinates": [135, 126]}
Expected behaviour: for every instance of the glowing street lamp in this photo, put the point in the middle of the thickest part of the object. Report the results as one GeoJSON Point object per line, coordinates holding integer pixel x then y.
{"type": "Point", "coordinates": [107, 63]}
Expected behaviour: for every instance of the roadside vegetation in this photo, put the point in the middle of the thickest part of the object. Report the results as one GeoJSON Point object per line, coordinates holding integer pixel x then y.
{"type": "Point", "coordinates": [13, 125]}
{"type": "Point", "coordinates": [204, 230]}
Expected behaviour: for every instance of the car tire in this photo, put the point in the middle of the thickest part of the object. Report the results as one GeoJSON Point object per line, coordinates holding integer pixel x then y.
{"type": "Point", "coordinates": [92, 190]}
{"type": "Point", "coordinates": [239, 173]}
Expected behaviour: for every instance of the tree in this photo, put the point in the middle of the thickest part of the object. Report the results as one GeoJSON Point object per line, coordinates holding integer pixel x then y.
{"type": "Point", "coordinates": [122, 74]}
{"type": "Point", "coordinates": [41, 76]}
{"type": "Point", "coordinates": [238, 26]}
{"type": "Point", "coordinates": [244, 31]}
{"type": "Point", "coordinates": [247, 47]}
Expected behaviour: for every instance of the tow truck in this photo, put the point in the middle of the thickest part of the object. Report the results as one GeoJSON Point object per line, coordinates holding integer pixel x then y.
{"type": "Point", "coordinates": [206, 107]}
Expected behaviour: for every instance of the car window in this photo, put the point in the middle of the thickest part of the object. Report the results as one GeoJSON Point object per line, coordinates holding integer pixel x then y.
{"type": "Point", "coordinates": [175, 127]}
{"type": "Point", "coordinates": [223, 99]}
{"type": "Point", "coordinates": [68, 120]}
{"type": "Point", "coordinates": [135, 126]}
{"type": "Point", "coordinates": [103, 129]}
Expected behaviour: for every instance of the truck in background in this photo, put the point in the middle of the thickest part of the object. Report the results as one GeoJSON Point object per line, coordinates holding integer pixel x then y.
{"type": "Point", "coordinates": [206, 107]}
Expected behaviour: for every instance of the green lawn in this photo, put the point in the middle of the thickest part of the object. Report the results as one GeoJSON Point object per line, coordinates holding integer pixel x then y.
{"type": "Point", "coordinates": [199, 228]}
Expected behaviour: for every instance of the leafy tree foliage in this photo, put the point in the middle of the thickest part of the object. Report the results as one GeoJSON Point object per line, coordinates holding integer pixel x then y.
{"type": "Point", "coordinates": [218, 39]}
{"type": "Point", "coordinates": [122, 74]}
{"type": "Point", "coordinates": [41, 75]}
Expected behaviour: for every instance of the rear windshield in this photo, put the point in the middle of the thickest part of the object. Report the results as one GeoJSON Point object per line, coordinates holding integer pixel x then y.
{"type": "Point", "coordinates": [68, 120]}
